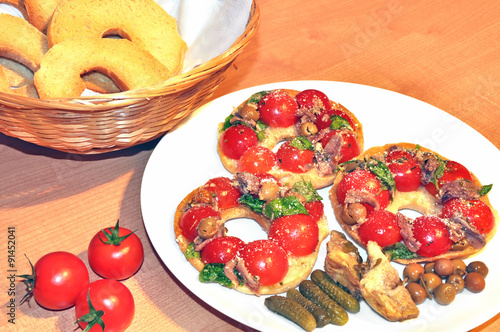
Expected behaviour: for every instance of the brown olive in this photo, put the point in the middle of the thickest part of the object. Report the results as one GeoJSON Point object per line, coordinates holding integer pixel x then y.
{"type": "Point", "coordinates": [412, 272]}
{"type": "Point", "coordinates": [478, 267]}
{"type": "Point", "coordinates": [208, 227]}
{"type": "Point", "coordinates": [445, 294]}
{"type": "Point", "coordinates": [459, 266]}
{"type": "Point", "coordinates": [429, 267]}
{"type": "Point", "coordinates": [457, 281]}
{"type": "Point", "coordinates": [249, 112]}
{"type": "Point", "coordinates": [307, 129]}
{"type": "Point", "coordinates": [443, 267]}
{"type": "Point", "coordinates": [417, 292]}
{"type": "Point", "coordinates": [474, 282]}
{"type": "Point", "coordinates": [353, 213]}
{"type": "Point", "coordinates": [430, 281]}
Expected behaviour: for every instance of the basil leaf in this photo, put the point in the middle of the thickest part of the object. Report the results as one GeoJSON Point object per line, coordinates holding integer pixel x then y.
{"type": "Point", "coordinates": [227, 122]}
{"type": "Point", "coordinates": [190, 252]}
{"type": "Point", "coordinates": [439, 172]}
{"type": "Point", "coordinates": [284, 206]}
{"type": "Point", "coordinates": [306, 189]}
{"type": "Point", "coordinates": [399, 251]}
{"type": "Point", "coordinates": [383, 173]}
{"type": "Point", "coordinates": [485, 189]}
{"type": "Point", "coordinates": [214, 272]}
{"type": "Point", "coordinates": [301, 143]}
{"type": "Point", "coordinates": [253, 203]}
{"type": "Point", "coordinates": [256, 97]}
{"type": "Point", "coordinates": [339, 122]}
{"type": "Point", "coordinates": [260, 130]}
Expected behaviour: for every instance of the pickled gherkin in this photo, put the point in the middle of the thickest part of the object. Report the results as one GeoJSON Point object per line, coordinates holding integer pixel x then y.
{"type": "Point", "coordinates": [311, 291]}
{"type": "Point", "coordinates": [291, 310]}
{"type": "Point", "coordinates": [327, 285]}
{"type": "Point", "coordinates": [319, 314]}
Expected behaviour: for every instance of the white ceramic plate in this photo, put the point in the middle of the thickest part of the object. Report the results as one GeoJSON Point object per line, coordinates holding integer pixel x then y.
{"type": "Point", "coordinates": [186, 158]}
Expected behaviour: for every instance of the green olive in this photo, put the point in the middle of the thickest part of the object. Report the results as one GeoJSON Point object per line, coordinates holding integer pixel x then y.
{"type": "Point", "coordinates": [430, 281]}
{"type": "Point", "coordinates": [474, 282]}
{"type": "Point", "coordinates": [417, 292]}
{"type": "Point", "coordinates": [457, 281]}
{"type": "Point", "coordinates": [412, 272]}
{"type": "Point", "coordinates": [444, 294]}
{"type": "Point", "coordinates": [459, 266]}
{"type": "Point", "coordinates": [443, 267]}
{"type": "Point", "coordinates": [478, 267]}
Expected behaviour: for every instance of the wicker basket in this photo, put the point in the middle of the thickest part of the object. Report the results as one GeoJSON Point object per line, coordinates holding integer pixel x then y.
{"type": "Point", "coordinates": [109, 122]}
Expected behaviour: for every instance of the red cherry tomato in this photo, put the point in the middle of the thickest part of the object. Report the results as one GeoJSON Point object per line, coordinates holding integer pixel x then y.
{"type": "Point", "coordinates": [226, 195]}
{"type": "Point", "coordinates": [191, 218]}
{"type": "Point", "coordinates": [115, 254]}
{"type": "Point", "coordinates": [324, 119]}
{"type": "Point", "coordinates": [293, 159]}
{"type": "Point", "coordinates": [277, 109]}
{"type": "Point", "coordinates": [257, 159]}
{"type": "Point", "coordinates": [380, 226]}
{"type": "Point", "coordinates": [313, 99]}
{"type": "Point", "coordinates": [56, 280]}
{"type": "Point", "coordinates": [265, 260]}
{"type": "Point", "coordinates": [432, 234]}
{"type": "Point", "coordinates": [405, 170]}
{"type": "Point", "coordinates": [363, 180]}
{"type": "Point", "coordinates": [476, 212]}
{"type": "Point", "coordinates": [298, 234]}
{"type": "Point", "coordinates": [113, 298]}
{"type": "Point", "coordinates": [453, 171]}
{"type": "Point", "coordinates": [221, 249]}
{"type": "Point", "coordinates": [350, 147]}
{"type": "Point", "coordinates": [236, 140]}
{"type": "Point", "coordinates": [315, 209]}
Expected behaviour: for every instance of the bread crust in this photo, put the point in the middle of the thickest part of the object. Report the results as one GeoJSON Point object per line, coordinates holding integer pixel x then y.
{"type": "Point", "coordinates": [299, 267]}
{"type": "Point", "coordinates": [144, 22]}
{"type": "Point", "coordinates": [40, 12]}
{"type": "Point", "coordinates": [276, 135]}
{"type": "Point", "coordinates": [420, 201]}
{"type": "Point", "coordinates": [62, 66]}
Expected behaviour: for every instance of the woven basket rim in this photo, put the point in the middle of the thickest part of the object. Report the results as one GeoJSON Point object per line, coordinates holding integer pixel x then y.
{"type": "Point", "coordinates": [132, 97]}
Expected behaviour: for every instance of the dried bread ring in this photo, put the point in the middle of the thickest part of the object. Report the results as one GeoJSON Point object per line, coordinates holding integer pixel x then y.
{"type": "Point", "coordinates": [211, 195]}
{"type": "Point", "coordinates": [420, 200]}
{"type": "Point", "coordinates": [129, 66]}
{"type": "Point", "coordinates": [144, 22]}
{"type": "Point", "coordinates": [320, 173]}
{"type": "Point", "coordinates": [23, 43]}
{"type": "Point", "coordinates": [40, 12]}
{"type": "Point", "coordinates": [17, 4]}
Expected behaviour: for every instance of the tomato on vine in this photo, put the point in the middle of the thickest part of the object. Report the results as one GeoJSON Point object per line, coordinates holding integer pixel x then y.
{"type": "Point", "coordinates": [257, 159]}
{"type": "Point", "coordinates": [350, 147]}
{"type": "Point", "coordinates": [312, 98]}
{"type": "Point", "coordinates": [105, 305]}
{"type": "Point", "coordinates": [192, 217]}
{"type": "Point", "coordinates": [452, 171]}
{"type": "Point", "coordinates": [56, 280]}
{"type": "Point", "coordinates": [296, 155]}
{"type": "Point", "coordinates": [476, 212]}
{"type": "Point", "coordinates": [433, 235]}
{"type": "Point", "coordinates": [265, 260]}
{"type": "Point", "coordinates": [380, 226]}
{"type": "Point", "coordinates": [236, 140]}
{"type": "Point", "coordinates": [298, 234]}
{"type": "Point", "coordinates": [221, 249]}
{"type": "Point", "coordinates": [116, 253]}
{"type": "Point", "coordinates": [225, 194]}
{"type": "Point", "coordinates": [277, 109]}
{"type": "Point", "coordinates": [405, 170]}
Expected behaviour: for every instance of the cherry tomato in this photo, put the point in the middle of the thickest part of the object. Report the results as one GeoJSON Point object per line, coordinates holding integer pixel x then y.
{"type": "Point", "coordinates": [405, 170]}
{"type": "Point", "coordinates": [350, 147]}
{"type": "Point", "coordinates": [453, 171]}
{"type": "Point", "coordinates": [298, 234]}
{"type": "Point", "coordinates": [257, 159]}
{"type": "Point", "coordinates": [113, 298]}
{"type": "Point", "coordinates": [116, 253]}
{"type": "Point", "coordinates": [236, 140]}
{"type": "Point", "coordinates": [363, 180]}
{"type": "Point", "coordinates": [380, 226]}
{"type": "Point", "coordinates": [324, 119]}
{"type": "Point", "coordinates": [432, 234]}
{"type": "Point", "coordinates": [226, 195]}
{"type": "Point", "coordinates": [221, 249]}
{"type": "Point", "coordinates": [56, 280]}
{"type": "Point", "coordinates": [277, 109]}
{"type": "Point", "coordinates": [315, 209]}
{"type": "Point", "coordinates": [191, 218]}
{"type": "Point", "coordinates": [476, 212]}
{"type": "Point", "coordinates": [293, 159]}
{"type": "Point", "coordinates": [313, 99]}
{"type": "Point", "coordinates": [266, 260]}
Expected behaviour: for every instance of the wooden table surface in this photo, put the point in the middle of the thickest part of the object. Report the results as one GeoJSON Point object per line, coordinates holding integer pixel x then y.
{"type": "Point", "coordinates": [446, 53]}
